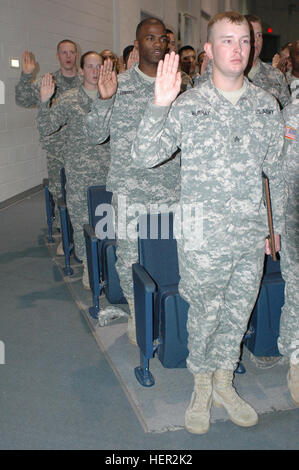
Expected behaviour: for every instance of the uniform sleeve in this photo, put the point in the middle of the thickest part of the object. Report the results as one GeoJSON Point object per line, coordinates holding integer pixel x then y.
{"type": "Point", "coordinates": [27, 91]}
{"type": "Point", "coordinates": [273, 168]}
{"type": "Point", "coordinates": [97, 122]}
{"type": "Point", "coordinates": [158, 136]}
{"type": "Point", "coordinates": [49, 120]}
{"type": "Point", "coordinates": [285, 96]}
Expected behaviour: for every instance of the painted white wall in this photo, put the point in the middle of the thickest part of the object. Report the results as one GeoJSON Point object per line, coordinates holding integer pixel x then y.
{"type": "Point", "coordinates": [38, 25]}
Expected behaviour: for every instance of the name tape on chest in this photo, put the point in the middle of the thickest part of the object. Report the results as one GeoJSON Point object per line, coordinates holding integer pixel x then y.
{"type": "Point", "coordinates": [266, 111]}
{"type": "Point", "coordinates": [127, 92]}
{"type": "Point", "coordinates": [201, 112]}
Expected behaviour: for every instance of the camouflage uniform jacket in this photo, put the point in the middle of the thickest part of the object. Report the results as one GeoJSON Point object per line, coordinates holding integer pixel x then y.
{"type": "Point", "coordinates": [272, 80]}
{"type": "Point", "coordinates": [224, 149]}
{"type": "Point", "coordinates": [81, 156]}
{"type": "Point", "coordinates": [291, 166]}
{"type": "Point", "coordinates": [119, 117]}
{"type": "Point", "coordinates": [27, 95]}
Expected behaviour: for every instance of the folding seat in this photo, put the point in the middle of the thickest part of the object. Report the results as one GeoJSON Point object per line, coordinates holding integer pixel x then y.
{"type": "Point", "coordinates": [101, 249]}
{"type": "Point", "coordinates": [50, 204]}
{"type": "Point", "coordinates": [161, 314]}
{"type": "Point", "coordinates": [50, 210]}
{"type": "Point", "coordinates": [263, 329]}
{"type": "Point", "coordinates": [66, 236]}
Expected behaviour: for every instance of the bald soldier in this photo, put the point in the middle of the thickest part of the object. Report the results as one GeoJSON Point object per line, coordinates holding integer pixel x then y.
{"type": "Point", "coordinates": [27, 95]}
{"type": "Point", "coordinates": [229, 132]}
{"type": "Point", "coordinates": [117, 114]}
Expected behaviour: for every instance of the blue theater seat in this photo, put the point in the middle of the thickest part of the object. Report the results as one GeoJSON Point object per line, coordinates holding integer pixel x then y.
{"type": "Point", "coordinates": [161, 314]}
{"type": "Point", "coordinates": [66, 227]}
{"type": "Point", "coordinates": [264, 324]}
{"type": "Point", "coordinates": [50, 204]}
{"type": "Point", "coordinates": [66, 236]}
{"type": "Point", "coordinates": [50, 210]}
{"type": "Point", "coordinates": [100, 250]}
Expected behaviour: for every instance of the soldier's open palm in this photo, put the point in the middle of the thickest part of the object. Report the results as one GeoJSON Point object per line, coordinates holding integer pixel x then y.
{"type": "Point", "coordinates": [107, 83]}
{"type": "Point", "coordinates": [47, 87]}
{"type": "Point", "coordinates": [168, 80]}
{"type": "Point", "coordinates": [28, 62]}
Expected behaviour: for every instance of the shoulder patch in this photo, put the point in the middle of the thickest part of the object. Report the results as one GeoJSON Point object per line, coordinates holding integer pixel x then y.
{"type": "Point", "coordinates": [290, 133]}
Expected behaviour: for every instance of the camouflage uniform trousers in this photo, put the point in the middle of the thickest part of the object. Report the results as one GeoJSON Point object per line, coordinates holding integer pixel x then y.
{"type": "Point", "coordinates": [288, 341]}
{"type": "Point", "coordinates": [54, 164]}
{"type": "Point", "coordinates": [220, 282]}
{"type": "Point", "coordinates": [77, 205]}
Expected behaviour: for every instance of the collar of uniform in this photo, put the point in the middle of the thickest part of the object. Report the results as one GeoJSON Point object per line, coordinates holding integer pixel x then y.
{"type": "Point", "coordinates": [83, 99]}
{"type": "Point", "coordinates": [211, 92]}
{"type": "Point", "coordinates": [138, 78]}
{"type": "Point", "coordinates": [59, 78]}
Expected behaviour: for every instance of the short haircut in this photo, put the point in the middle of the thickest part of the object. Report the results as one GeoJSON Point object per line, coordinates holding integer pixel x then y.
{"type": "Point", "coordinates": [254, 19]}
{"type": "Point", "coordinates": [292, 50]}
{"type": "Point", "coordinates": [126, 52]}
{"type": "Point", "coordinates": [83, 57]}
{"type": "Point", "coordinates": [168, 31]}
{"type": "Point", "coordinates": [148, 21]}
{"type": "Point", "coordinates": [67, 40]}
{"type": "Point", "coordinates": [232, 16]}
{"type": "Point", "coordinates": [185, 48]}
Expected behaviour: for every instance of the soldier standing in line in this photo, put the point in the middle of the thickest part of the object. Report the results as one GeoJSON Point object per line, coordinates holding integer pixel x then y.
{"type": "Point", "coordinates": [27, 95]}
{"type": "Point", "coordinates": [288, 341]}
{"type": "Point", "coordinates": [229, 132]}
{"type": "Point", "coordinates": [86, 164]}
{"type": "Point", "coordinates": [293, 74]}
{"type": "Point", "coordinates": [117, 113]}
{"type": "Point", "coordinates": [261, 74]}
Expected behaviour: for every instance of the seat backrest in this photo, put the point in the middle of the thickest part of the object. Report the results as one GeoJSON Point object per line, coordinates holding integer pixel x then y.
{"type": "Point", "coordinates": [100, 212]}
{"type": "Point", "coordinates": [63, 184]}
{"type": "Point", "coordinates": [157, 248]}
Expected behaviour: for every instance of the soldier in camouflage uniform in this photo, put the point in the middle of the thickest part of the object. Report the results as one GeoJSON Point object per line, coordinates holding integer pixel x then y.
{"type": "Point", "coordinates": [86, 164]}
{"type": "Point", "coordinates": [27, 95]}
{"type": "Point", "coordinates": [118, 116]}
{"type": "Point", "coordinates": [264, 75]}
{"type": "Point", "coordinates": [288, 340]}
{"type": "Point", "coordinates": [229, 131]}
{"type": "Point", "coordinates": [293, 74]}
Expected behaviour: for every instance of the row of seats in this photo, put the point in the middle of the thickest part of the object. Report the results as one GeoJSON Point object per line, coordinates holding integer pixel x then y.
{"type": "Point", "coordinates": [161, 313]}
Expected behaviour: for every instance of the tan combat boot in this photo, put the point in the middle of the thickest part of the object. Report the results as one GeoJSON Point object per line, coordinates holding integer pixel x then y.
{"type": "Point", "coordinates": [293, 382]}
{"type": "Point", "coordinates": [131, 324]}
{"type": "Point", "coordinates": [224, 394]}
{"type": "Point", "coordinates": [197, 416]}
{"type": "Point", "coordinates": [60, 251]}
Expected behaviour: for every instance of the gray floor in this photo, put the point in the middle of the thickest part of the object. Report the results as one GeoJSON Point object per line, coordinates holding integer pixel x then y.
{"type": "Point", "coordinates": [57, 390]}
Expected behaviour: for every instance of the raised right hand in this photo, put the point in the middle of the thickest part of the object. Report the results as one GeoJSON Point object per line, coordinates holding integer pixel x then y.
{"type": "Point", "coordinates": [107, 83]}
{"type": "Point", "coordinates": [47, 87]}
{"type": "Point", "coordinates": [168, 80]}
{"type": "Point", "coordinates": [28, 62]}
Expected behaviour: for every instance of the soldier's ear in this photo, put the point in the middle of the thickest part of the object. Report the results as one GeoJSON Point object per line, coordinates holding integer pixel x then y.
{"type": "Point", "coordinates": [208, 50]}
{"type": "Point", "coordinates": [136, 44]}
{"type": "Point", "coordinates": [80, 71]}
